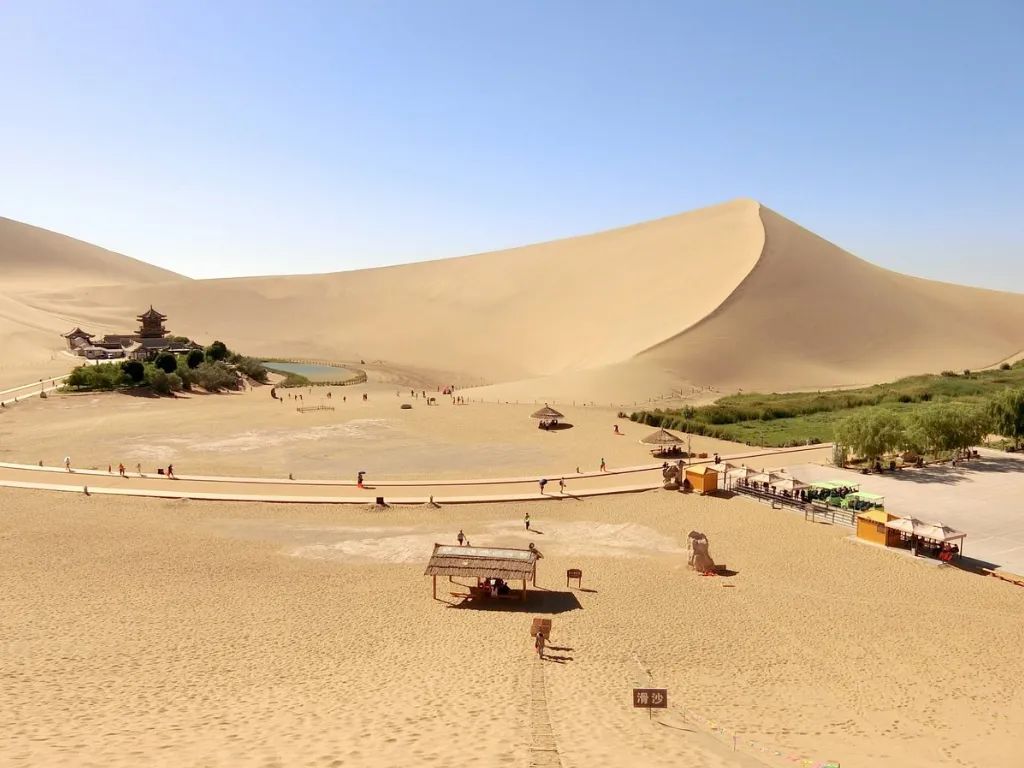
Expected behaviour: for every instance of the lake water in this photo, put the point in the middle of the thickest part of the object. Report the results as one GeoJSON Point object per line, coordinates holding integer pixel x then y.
{"type": "Point", "coordinates": [312, 372]}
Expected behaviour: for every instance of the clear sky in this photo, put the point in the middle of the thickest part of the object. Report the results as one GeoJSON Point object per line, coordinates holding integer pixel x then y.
{"type": "Point", "coordinates": [229, 138]}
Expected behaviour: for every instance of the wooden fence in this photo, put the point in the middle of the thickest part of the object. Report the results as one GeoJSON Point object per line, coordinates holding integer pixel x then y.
{"type": "Point", "coordinates": [304, 408]}
{"type": "Point", "coordinates": [814, 511]}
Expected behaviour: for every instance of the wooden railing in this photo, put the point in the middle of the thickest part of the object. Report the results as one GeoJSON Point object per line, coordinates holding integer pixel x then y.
{"type": "Point", "coordinates": [814, 510]}
{"type": "Point", "coordinates": [304, 408]}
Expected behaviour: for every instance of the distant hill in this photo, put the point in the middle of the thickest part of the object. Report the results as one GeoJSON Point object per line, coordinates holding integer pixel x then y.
{"type": "Point", "coordinates": [732, 296]}
{"type": "Point", "coordinates": [34, 258]}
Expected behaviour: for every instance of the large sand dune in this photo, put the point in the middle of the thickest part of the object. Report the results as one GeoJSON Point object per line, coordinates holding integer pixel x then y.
{"type": "Point", "coordinates": [732, 296]}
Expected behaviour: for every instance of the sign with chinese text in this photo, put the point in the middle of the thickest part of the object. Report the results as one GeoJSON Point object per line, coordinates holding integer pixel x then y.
{"type": "Point", "coordinates": [652, 698]}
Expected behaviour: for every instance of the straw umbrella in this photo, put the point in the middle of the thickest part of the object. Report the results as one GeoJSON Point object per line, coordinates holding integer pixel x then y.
{"type": "Point", "coordinates": [662, 439]}
{"type": "Point", "coordinates": [547, 413]}
{"type": "Point", "coordinates": [548, 416]}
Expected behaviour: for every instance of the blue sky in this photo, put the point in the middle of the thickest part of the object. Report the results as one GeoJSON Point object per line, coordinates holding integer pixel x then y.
{"type": "Point", "coordinates": [229, 138]}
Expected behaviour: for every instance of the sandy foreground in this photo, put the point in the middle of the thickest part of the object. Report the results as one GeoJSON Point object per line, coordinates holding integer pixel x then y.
{"type": "Point", "coordinates": [212, 634]}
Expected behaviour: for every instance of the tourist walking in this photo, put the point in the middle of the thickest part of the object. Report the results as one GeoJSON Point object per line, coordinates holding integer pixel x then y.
{"type": "Point", "coordinates": [542, 482]}
{"type": "Point", "coordinates": [604, 467]}
{"type": "Point", "coordinates": [538, 644]}
{"type": "Point", "coordinates": [67, 463]}
{"type": "Point", "coordinates": [526, 519]}
{"type": "Point", "coordinates": [461, 537]}
{"type": "Point", "coordinates": [138, 468]}
{"type": "Point", "coordinates": [359, 479]}
{"type": "Point", "coordinates": [170, 471]}
{"type": "Point", "coordinates": [561, 485]}
{"type": "Point", "coordinates": [120, 470]}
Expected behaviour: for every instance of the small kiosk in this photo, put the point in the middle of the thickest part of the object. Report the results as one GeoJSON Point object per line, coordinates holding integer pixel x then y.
{"type": "Point", "coordinates": [871, 527]}
{"type": "Point", "coordinates": [702, 479]}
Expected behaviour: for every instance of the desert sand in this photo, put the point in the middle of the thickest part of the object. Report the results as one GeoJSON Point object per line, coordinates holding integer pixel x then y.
{"type": "Point", "coordinates": [728, 297]}
{"type": "Point", "coordinates": [209, 633]}
{"type": "Point", "coordinates": [179, 633]}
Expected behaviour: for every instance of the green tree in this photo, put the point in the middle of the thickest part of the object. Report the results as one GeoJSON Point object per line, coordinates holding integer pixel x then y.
{"type": "Point", "coordinates": [871, 434]}
{"type": "Point", "coordinates": [135, 370]}
{"type": "Point", "coordinates": [947, 427]}
{"type": "Point", "coordinates": [166, 362]}
{"type": "Point", "coordinates": [195, 358]}
{"type": "Point", "coordinates": [217, 351]}
{"type": "Point", "coordinates": [1006, 411]}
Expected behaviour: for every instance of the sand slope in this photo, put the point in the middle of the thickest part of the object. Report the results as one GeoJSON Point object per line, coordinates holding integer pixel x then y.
{"type": "Point", "coordinates": [731, 296]}
{"type": "Point", "coordinates": [32, 257]}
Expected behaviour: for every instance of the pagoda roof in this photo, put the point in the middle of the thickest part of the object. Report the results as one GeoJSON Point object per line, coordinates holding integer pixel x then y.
{"type": "Point", "coordinates": [76, 331]}
{"type": "Point", "coordinates": [151, 314]}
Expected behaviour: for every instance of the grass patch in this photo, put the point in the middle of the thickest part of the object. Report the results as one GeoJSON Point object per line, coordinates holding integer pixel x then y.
{"type": "Point", "coordinates": [806, 418]}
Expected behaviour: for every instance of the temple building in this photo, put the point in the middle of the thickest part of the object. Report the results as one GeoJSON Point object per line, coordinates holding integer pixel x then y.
{"type": "Point", "coordinates": [151, 340]}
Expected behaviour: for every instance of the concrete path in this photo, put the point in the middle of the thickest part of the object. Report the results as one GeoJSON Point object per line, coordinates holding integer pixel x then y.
{"type": "Point", "coordinates": [981, 497]}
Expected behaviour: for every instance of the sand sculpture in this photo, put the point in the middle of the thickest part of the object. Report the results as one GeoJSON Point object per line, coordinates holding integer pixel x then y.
{"type": "Point", "coordinates": [673, 476]}
{"type": "Point", "coordinates": [699, 557]}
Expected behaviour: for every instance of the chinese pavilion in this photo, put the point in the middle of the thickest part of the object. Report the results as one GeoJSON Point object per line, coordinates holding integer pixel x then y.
{"type": "Point", "coordinates": [151, 324]}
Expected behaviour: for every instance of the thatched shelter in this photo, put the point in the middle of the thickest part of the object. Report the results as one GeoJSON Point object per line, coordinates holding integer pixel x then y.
{"type": "Point", "coordinates": [547, 413]}
{"type": "Point", "coordinates": [483, 563]}
{"type": "Point", "coordinates": [662, 439]}
{"type": "Point", "coordinates": [547, 417]}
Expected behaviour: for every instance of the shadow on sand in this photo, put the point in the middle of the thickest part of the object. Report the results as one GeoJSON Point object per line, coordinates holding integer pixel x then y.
{"type": "Point", "coordinates": [543, 602]}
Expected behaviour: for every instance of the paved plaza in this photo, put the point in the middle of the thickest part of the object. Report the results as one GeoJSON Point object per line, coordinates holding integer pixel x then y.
{"type": "Point", "coordinates": [983, 497]}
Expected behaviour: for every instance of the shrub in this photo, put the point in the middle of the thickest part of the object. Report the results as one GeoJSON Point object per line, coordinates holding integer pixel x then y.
{"type": "Point", "coordinates": [195, 358]}
{"type": "Point", "coordinates": [166, 362]}
{"type": "Point", "coordinates": [949, 374]}
{"type": "Point", "coordinates": [252, 368]}
{"type": "Point", "coordinates": [160, 381]}
{"type": "Point", "coordinates": [1005, 367]}
{"type": "Point", "coordinates": [105, 376]}
{"type": "Point", "coordinates": [217, 351]}
{"type": "Point", "coordinates": [214, 377]}
{"type": "Point", "coordinates": [135, 370]}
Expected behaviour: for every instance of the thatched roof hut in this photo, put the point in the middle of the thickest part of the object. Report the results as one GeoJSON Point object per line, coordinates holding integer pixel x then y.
{"type": "Point", "coordinates": [547, 413]}
{"type": "Point", "coordinates": [662, 437]}
{"type": "Point", "coordinates": [483, 563]}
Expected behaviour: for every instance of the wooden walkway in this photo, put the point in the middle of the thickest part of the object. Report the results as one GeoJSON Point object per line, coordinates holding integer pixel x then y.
{"type": "Point", "coordinates": [543, 748]}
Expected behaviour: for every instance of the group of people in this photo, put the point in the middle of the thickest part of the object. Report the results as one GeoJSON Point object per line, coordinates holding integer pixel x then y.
{"type": "Point", "coordinates": [543, 482]}
{"type": "Point", "coordinates": [944, 551]}
{"type": "Point", "coordinates": [123, 471]}
{"type": "Point", "coordinates": [497, 586]}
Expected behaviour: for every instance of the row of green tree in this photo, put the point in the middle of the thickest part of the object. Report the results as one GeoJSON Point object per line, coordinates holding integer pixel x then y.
{"type": "Point", "coordinates": [214, 369]}
{"type": "Point", "coordinates": [935, 430]}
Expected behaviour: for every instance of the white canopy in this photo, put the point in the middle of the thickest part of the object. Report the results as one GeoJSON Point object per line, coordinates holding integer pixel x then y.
{"type": "Point", "coordinates": [932, 531]}
{"type": "Point", "coordinates": [939, 532]}
{"type": "Point", "coordinates": [904, 524]}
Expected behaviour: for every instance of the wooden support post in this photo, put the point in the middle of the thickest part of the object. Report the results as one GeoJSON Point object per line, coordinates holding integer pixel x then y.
{"type": "Point", "coordinates": [524, 590]}
{"type": "Point", "coordinates": [435, 586]}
